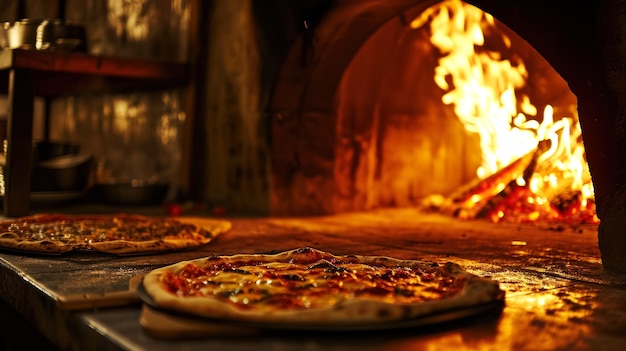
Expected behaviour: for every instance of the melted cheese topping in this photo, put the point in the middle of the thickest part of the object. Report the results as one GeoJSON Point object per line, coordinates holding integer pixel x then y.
{"type": "Point", "coordinates": [292, 285]}
{"type": "Point", "coordinates": [67, 229]}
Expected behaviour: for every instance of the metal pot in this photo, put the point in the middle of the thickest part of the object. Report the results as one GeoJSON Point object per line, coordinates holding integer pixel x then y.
{"type": "Point", "coordinates": [35, 34]}
{"type": "Point", "coordinates": [43, 34]}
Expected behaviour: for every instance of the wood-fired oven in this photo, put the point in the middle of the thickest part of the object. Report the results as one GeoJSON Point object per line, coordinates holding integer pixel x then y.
{"type": "Point", "coordinates": [317, 168]}
{"type": "Point", "coordinates": [319, 81]}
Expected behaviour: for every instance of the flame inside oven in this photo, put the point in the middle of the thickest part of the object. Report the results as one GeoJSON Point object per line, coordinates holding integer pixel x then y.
{"type": "Point", "coordinates": [466, 117]}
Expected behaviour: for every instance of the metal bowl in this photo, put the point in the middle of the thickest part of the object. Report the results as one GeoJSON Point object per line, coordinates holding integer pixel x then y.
{"type": "Point", "coordinates": [45, 150]}
{"type": "Point", "coordinates": [64, 173]}
{"type": "Point", "coordinates": [131, 195]}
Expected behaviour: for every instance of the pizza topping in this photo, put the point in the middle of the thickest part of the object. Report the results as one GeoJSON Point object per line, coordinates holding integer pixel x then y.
{"type": "Point", "coordinates": [253, 284]}
{"type": "Point", "coordinates": [89, 229]}
{"type": "Point", "coordinates": [312, 288]}
{"type": "Point", "coordinates": [119, 233]}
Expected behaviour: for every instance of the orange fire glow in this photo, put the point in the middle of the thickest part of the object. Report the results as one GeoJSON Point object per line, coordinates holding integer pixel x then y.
{"type": "Point", "coordinates": [550, 178]}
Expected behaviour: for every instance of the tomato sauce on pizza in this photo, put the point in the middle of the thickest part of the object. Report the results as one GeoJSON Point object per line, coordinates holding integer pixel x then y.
{"type": "Point", "coordinates": [296, 285]}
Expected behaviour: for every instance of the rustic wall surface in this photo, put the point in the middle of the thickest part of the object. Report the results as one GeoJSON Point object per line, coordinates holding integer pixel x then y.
{"type": "Point", "coordinates": [10, 9]}
{"type": "Point", "coordinates": [236, 147]}
{"type": "Point", "coordinates": [610, 19]}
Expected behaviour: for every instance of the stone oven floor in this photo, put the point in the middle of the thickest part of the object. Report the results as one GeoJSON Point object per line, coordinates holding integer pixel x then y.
{"type": "Point", "coordinates": [557, 296]}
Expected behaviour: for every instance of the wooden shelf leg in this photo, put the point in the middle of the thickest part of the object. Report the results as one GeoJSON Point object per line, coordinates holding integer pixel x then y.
{"type": "Point", "coordinates": [18, 168]}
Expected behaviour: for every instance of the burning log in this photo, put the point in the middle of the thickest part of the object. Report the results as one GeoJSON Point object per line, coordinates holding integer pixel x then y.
{"type": "Point", "coordinates": [517, 197]}
{"type": "Point", "coordinates": [507, 195]}
{"type": "Point", "coordinates": [517, 203]}
{"type": "Point", "coordinates": [466, 202]}
{"type": "Point", "coordinates": [507, 189]}
{"type": "Point", "coordinates": [486, 188]}
{"type": "Point", "coordinates": [575, 207]}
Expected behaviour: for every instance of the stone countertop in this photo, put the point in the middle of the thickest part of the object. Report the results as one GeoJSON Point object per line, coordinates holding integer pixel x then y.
{"type": "Point", "coordinates": [557, 296]}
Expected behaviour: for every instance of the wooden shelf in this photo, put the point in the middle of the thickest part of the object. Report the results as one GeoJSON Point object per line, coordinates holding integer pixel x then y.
{"type": "Point", "coordinates": [67, 62]}
{"type": "Point", "coordinates": [57, 73]}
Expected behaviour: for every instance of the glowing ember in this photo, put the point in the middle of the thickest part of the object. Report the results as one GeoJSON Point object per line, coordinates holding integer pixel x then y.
{"type": "Point", "coordinates": [533, 165]}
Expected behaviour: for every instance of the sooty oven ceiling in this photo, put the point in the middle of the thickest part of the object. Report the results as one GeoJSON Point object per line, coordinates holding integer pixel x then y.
{"type": "Point", "coordinates": [581, 42]}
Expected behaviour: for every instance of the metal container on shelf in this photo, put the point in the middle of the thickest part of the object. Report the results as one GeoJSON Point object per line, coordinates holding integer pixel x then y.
{"type": "Point", "coordinates": [63, 173]}
{"type": "Point", "coordinates": [57, 167]}
{"type": "Point", "coordinates": [42, 34]}
{"type": "Point", "coordinates": [33, 34]}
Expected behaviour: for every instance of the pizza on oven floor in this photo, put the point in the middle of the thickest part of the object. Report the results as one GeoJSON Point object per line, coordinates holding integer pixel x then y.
{"type": "Point", "coordinates": [309, 287]}
{"type": "Point", "coordinates": [108, 233]}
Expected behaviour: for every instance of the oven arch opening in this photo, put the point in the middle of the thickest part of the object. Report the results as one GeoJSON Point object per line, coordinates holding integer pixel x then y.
{"type": "Point", "coordinates": [305, 99]}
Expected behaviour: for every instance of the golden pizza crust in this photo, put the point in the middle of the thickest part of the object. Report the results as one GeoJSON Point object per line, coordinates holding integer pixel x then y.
{"type": "Point", "coordinates": [475, 292]}
{"type": "Point", "coordinates": [14, 242]}
{"type": "Point", "coordinates": [213, 227]}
